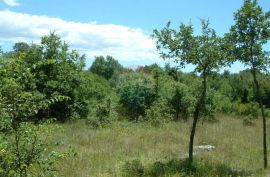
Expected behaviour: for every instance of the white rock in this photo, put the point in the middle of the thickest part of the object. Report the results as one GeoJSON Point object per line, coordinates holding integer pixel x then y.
{"type": "Point", "coordinates": [205, 147]}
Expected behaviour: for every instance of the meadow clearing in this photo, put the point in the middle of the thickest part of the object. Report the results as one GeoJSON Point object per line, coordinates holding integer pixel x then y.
{"type": "Point", "coordinates": [104, 152]}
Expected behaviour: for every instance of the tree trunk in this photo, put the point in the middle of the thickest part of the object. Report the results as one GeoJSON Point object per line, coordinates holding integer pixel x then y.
{"type": "Point", "coordinates": [197, 111]}
{"type": "Point", "coordinates": [258, 95]}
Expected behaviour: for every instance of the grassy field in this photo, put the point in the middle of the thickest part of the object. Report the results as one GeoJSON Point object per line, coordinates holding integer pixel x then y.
{"type": "Point", "coordinates": [104, 152]}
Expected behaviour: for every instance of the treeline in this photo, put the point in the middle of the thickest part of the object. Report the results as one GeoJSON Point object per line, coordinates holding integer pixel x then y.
{"type": "Point", "coordinates": [156, 94]}
{"type": "Point", "coordinates": [48, 80]}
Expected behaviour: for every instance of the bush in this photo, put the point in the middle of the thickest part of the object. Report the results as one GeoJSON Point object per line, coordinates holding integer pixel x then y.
{"type": "Point", "coordinates": [180, 168]}
{"type": "Point", "coordinates": [97, 92]}
{"type": "Point", "coordinates": [223, 103]}
{"type": "Point", "coordinates": [47, 70]}
{"type": "Point", "coordinates": [248, 121]}
{"type": "Point", "coordinates": [210, 106]}
{"type": "Point", "coordinates": [103, 115]}
{"type": "Point", "coordinates": [267, 113]}
{"type": "Point", "coordinates": [136, 99]}
{"type": "Point", "coordinates": [26, 151]}
{"type": "Point", "coordinates": [158, 113]}
{"type": "Point", "coordinates": [133, 169]}
{"type": "Point", "coordinates": [249, 109]}
{"type": "Point", "coordinates": [106, 67]}
{"type": "Point", "coordinates": [181, 102]}
{"type": "Point", "coordinates": [136, 93]}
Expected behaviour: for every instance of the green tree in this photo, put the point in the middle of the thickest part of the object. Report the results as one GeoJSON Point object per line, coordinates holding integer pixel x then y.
{"type": "Point", "coordinates": [136, 93]}
{"type": "Point", "coordinates": [56, 71]}
{"type": "Point", "coordinates": [265, 86]}
{"type": "Point", "coordinates": [158, 74]}
{"type": "Point", "coordinates": [148, 68]}
{"type": "Point", "coordinates": [25, 150]}
{"type": "Point", "coordinates": [21, 47]}
{"type": "Point", "coordinates": [105, 67]}
{"type": "Point", "coordinates": [203, 51]}
{"type": "Point", "coordinates": [101, 99]}
{"type": "Point", "coordinates": [180, 102]}
{"type": "Point", "coordinates": [136, 98]}
{"type": "Point", "coordinates": [18, 91]}
{"type": "Point", "coordinates": [172, 71]}
{"type": "Point", "coordinates": [240, 84]}
{"type": "Point", "coordinates": [249, 33]}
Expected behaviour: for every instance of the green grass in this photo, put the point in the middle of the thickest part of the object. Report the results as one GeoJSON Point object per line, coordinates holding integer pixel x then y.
{"type": "Point", "coordinates": [104, 152]}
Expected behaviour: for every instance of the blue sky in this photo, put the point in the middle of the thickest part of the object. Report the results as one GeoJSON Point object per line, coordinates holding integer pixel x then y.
{"type": "Point", "coordinates": [119, 28]}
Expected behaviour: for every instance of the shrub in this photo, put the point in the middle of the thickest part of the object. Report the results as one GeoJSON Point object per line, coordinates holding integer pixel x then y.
{"type": "Point", "coordinates": [180, 102]}
{"type": "Point", "coordinates": [248, 121]}
{"type": "Point", "coordinates": [267, 113]}
{"type": "Point", "coordinates": [181, 168]}
{"type": "Point", "coordinates": [136, 99]}
{"type": "Point", "coordinates": [133, 169]}
{"type": "Point", "coordinates": [223, 103]}
{"type": "Point", "coordinates": [158, 113]}
{"type": "Point", "coordinates": [48, 70]}
{"type": "Point", "coordinates": [249, 109]}
{"type": "Point", "coordinates": [26, 151]}
{"type": "Point", "coordinates": [106, 67]}
{"type": "Point", "coordinates": [97, 92]}
{"type": "Point", "coordinates": [103, 115]}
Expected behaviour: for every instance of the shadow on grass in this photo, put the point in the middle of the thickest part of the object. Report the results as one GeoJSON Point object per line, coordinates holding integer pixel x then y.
{"type": "Point", "coordinates": [180, 168]}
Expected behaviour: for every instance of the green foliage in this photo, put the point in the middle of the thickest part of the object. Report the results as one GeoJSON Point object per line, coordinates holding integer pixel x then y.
{"type": "Point", "coordinates": [101, 99]}
{"type": "Point", "coordinates": [136, 93]}
{"type": "Point", "coordinates": [157, 74]}
{"type": "Point", "coordinates": [181, 102]}
{"type": "Point", "coordinates": [136, 99]}
{"type": "Point", "coordinates": [248, 109]}
{"type": "Point", "coordinates": [234, 86]}
{"type": "Point", "coordinates": [103, 115]}
{"type": "Point", "coordinates": [24, 149]}
{"type": "Point", "coordinates": [158, 113]}
{"type": "Point", "coordinates": [133, 169]}
{"type": "Point", "coordinates": [267, 112]}
{"type": "Point", "coordinates": [241, 87]}
{"type": "Point", "coordinates": [50, 71]}
{"type": "Point", "coordinates": [26, 152]}
{"type": "Point", "coordinates": [265, 89]}
{"type": "Point", "coordinates": [173, 100]}
{"type": "Point", "coordinates": [210, 107]}
{"type": "Point", "coordinates": [59, 75]}
{"type": "Point", "coordinates": [106, 67]}
{"type": "Point", "coordinates": [20, 98]}
{"type": "Point", "coordinates": [21, 47]}
{"type": "Point", "coordinates": [172, 72]}
{"type": "Point", "coordinates": [180, 168]}
{"type": "Point", "coordinates": [249, 33]}
{"type": "Point", "coordinates": [223, 103]}
{"type": "Point", "coordinates": [204, 51]}
{"type": "Point", "coordinates": [43, 81]}
{"type": "Point", "coordinates": [186, 48]}
{"type": "Point", "coordinates": [133, 78]}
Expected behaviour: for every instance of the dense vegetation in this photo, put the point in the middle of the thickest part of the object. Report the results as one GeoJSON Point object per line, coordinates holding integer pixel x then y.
{"type": "Point", "coordinates": [45, 84]}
